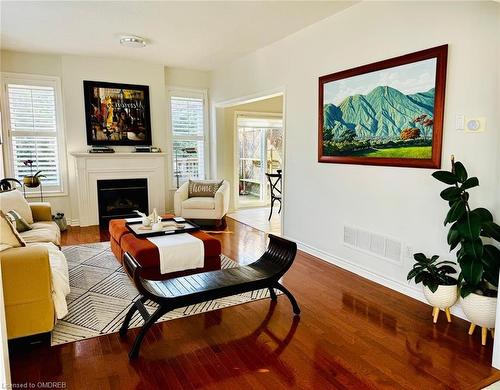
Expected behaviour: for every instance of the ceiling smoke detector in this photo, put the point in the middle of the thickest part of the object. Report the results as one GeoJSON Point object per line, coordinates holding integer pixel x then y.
{"type": "Point", "coordinates": [132, 41]}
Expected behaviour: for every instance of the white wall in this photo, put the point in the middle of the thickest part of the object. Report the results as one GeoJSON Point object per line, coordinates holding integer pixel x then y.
{"type": "Point", "coordinates": [497, 209]}
{"type": "Point", "coordinates": [187, 78]}
{"type": "Point", "coordinates": [40, 64]}
{"type": "Point", "coordinates": [400, 202]}
{"type": "Point", "coordinates": [183, 79]}
{"type": "Point", "coordinates": [73, 70]}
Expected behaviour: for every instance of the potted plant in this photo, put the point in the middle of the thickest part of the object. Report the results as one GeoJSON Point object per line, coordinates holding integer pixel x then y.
{"type": "Point", "coordinates": [473, 231]}
{"type": "Point", "coordinates": [440, 289]}
{"type": "Point", "coordinates": [31, 181]}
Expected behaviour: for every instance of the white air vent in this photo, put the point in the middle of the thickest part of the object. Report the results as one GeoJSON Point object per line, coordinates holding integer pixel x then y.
{"type": "Point", "coordinates": [377, 244]}
{"type": "Point", "coordinates": [392, 249]}
{"type": "Point", "coordinates": [387, 248]}
{"type": "Point", "coordinates": [349, 235]}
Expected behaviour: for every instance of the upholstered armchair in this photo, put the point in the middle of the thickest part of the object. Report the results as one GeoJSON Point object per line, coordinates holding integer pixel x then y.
{"type": "Point", "coordinates": [202, 207]}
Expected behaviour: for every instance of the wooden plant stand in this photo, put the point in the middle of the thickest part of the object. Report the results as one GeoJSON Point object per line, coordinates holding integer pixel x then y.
{"type": "Point", "coordinates": [484, 333]}
{"type": "Point", "coordinates": [435, 314]}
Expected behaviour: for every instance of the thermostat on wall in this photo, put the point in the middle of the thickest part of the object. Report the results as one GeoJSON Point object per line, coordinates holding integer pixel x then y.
{"type": "Point", "coordinates": [475, 124]}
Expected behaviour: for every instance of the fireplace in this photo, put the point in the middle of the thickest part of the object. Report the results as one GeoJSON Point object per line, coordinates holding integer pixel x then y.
{"type": "Point", "coordinates": [118, 198]}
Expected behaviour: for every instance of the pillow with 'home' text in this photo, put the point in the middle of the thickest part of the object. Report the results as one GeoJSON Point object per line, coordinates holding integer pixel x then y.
{"type": "Point", "coordinates": [203, 188]}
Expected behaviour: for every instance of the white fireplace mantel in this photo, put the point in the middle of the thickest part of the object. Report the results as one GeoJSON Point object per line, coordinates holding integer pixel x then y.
{"type": "Point", "coordinates": [91, 167]}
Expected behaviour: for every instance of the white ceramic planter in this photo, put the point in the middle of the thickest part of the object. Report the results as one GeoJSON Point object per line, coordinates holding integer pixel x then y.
{"type": "Point", "coordinates": [444, 297]}
{"type": "Point", "coordinates": [480, 310]}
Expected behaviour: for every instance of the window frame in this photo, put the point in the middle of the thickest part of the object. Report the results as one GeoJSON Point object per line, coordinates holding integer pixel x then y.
{"type": "Point", "coordinates": [42, 81]}
{"type": "Point", "coordinates": [188, 93]}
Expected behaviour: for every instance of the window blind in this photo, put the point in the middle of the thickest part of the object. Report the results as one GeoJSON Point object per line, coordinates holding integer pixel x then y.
{"type": "Point", "coordinates": [188, 131]}
{"type": "Point", "coordinates": [33, 131]}
{"type": "Point", "coordinates": [187, 116]}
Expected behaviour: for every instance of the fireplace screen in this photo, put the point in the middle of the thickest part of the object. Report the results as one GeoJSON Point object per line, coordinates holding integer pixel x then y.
{"type": "Point", "coordinates": [118, 198]}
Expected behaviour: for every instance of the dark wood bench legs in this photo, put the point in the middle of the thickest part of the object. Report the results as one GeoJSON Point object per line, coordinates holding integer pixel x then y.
{"type": "Point", "coordinates": [134, 352]}
{"type": "Point", "coordinates": [279, 286]}
{"type": "Point", "coordinates": [150, 319]}
{"type": "Point", "coordinates": [128, 316]}
{"type": "Point", "coordinates": [273, 294]}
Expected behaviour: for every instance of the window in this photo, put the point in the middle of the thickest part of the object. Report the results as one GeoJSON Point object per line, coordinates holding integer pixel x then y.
{"type": "Point", "coordinates": [189, 135]}
{"type": "Point", "coordinates": [33, 128]}
{"type": "Point", "coordinates": [260, 150]}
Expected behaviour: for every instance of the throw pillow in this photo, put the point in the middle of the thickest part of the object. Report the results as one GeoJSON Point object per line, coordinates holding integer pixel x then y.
{"type": "Point", "coordinates": [17, 221]}
{"type": "Point", "coordinates": [9, 237]}
{"type": "Point", "coordinates": [14, 200]}
{"type": "Point", "coordinates": [203, 188]}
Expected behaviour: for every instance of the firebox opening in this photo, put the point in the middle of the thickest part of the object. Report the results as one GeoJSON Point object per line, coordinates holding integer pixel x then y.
{"type": "Point", "coordinates": [117, 198]}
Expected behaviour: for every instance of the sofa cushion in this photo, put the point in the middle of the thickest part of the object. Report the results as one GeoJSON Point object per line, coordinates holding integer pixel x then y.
{"type": "Point", "coordinates": [14, 200]}
{"type": "Point", "coordinates": [9, 237]}
{"type": "Point", "coordinates": [18, 221]}
{"type": "Point", "coordinates": [43, 232]}
{"type": "Point", "coordinates": [203, 188]}
{"type": "Point", "coordinates": [203, 203]}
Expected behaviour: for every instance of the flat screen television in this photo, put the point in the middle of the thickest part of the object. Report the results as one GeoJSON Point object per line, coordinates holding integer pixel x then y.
{"type": "Point", "coordinates": [117, 114]}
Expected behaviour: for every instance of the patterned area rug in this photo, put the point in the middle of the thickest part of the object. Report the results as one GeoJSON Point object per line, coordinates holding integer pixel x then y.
{"type": "Point", "coordinates": [101, 294]}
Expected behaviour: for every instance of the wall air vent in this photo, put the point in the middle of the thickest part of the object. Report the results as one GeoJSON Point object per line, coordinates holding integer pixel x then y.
{"type": "Point", "coordinates": [387, 248]}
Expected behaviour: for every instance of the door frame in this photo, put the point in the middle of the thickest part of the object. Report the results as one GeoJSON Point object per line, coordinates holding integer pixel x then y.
{"type": "Point", "coordinates": [236, 155]}
{"type": "Point", "coordinates": [266, 94]}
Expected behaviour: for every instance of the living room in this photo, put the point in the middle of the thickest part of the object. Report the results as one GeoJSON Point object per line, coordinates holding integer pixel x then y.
{"type": "Point", "coordinates": [189, 112]}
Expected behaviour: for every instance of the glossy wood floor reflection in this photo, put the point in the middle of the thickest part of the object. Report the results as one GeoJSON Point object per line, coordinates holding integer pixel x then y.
{"type": "Point", "coordinates": [352, 334]}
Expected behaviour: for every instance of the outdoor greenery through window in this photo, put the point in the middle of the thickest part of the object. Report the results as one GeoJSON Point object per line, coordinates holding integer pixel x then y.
{"type": "Point", "coordinates": [260, 152]}
{"type": "Point", "coordinates": [33, 130]}
{"type": "Point", "coordinates": [188, 133]}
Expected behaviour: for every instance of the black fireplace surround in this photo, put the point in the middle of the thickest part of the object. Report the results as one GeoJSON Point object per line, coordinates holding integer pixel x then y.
{"type": "Point", "coordinates": [118, 198]}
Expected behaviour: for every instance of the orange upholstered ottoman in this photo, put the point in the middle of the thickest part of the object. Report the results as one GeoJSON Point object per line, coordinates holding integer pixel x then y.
{"type": "Point", "coordinates": [146, 253]}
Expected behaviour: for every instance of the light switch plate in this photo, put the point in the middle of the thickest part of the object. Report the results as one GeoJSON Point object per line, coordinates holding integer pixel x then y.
{"type": "Point", "coordinates": [460, 122]}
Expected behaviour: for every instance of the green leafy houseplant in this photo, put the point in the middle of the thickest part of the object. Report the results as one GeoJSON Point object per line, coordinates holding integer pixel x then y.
{"type": "Point", "coordinates": [479, 260]}
{"type": "Point", "coordinates": [430, 273]}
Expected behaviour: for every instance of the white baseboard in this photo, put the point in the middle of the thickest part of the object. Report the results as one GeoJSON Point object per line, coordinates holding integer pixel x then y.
{"type": "Point", "coordinates": [73, 222]}
{"type": "Point", "coordinates": [395, 285]}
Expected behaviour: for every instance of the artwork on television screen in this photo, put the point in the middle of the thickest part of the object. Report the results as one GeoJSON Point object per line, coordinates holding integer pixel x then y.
{"type": "Point", "coordinates": [117, 114]}
{"type": "Point", "coordinates": [386, 113]}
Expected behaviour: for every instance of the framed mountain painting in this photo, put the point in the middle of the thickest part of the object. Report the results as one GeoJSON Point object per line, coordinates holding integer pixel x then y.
{"type": "Point", "coordinates": [386, 113]}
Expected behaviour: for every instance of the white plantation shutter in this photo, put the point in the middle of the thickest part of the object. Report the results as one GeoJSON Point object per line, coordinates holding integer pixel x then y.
{"type": "Point", "coordinates": [43, 151]}
{"type": "Point", "coordinates": [33, 130]}
{"type": "Point", "coordinates": [187, 116]}
{"type": "Point", "coordinates": [189, 136]}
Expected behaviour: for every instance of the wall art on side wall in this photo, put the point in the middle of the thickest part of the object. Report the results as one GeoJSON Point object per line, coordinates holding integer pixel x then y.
{"type": "Point", "coordinates": [386, 113]}
{"type": "Point", "coordinates": [117, 114]}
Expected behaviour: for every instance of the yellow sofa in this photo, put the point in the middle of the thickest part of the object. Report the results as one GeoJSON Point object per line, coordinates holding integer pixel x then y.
{"type": "Point", "coordinates": [26, 276]}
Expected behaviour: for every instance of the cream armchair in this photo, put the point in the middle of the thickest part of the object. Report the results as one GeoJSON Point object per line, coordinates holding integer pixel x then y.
{"type": "Point", "coordinates": [202, 207]}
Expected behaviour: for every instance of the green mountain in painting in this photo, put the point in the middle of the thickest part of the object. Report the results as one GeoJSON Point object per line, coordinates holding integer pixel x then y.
{"type": "Point", "coordinates": [381, 114]}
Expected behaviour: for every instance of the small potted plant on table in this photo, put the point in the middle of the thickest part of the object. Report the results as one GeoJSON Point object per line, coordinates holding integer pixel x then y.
{"type": "Point", "coordinates": [32, 180]}
{"type": "Point", "coordinates": [473, 231]}
{"type": "Point", "coordinates": [440, 289]}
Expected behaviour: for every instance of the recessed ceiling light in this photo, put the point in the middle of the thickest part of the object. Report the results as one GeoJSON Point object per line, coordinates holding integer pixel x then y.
{"type": "Point", "coordinates": [132, 41]}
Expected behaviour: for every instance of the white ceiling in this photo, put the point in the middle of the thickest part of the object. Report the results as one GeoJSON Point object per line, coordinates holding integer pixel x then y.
{"type": "Point", "coordinates": [197, 35]}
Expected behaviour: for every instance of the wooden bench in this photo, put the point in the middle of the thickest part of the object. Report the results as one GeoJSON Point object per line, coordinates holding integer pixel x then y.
{"type": "Point", "coordinates": [189, 290]}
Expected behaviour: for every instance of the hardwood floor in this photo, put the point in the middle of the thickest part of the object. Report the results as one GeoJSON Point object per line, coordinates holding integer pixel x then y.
{"type": "Point", "coordinates": [257, 218]}
{"type": "Point", "coordinates": [352, 334]}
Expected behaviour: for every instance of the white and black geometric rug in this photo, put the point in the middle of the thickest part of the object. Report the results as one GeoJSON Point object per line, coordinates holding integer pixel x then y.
{"type": "Point", "coordinates": [101, 294]}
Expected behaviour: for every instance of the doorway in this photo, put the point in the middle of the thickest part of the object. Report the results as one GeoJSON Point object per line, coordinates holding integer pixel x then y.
{"type": "Point", "coordinates": [260, 150]}
{"type": "Point", "coordinates": [255, 129]}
